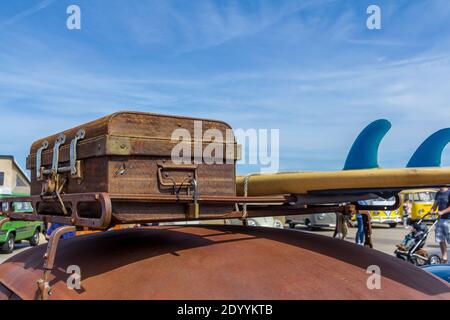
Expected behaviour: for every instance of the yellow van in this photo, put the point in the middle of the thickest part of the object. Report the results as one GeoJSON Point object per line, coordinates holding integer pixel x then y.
{"type": "Point", "coordinates": [422, 201]}
{"type": "Point", "coordinates": [389, 217]}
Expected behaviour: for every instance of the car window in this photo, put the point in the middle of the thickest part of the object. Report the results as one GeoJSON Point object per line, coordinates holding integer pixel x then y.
{"type": "Point", "coordinates": [424, 196]}
{"type": "Point", "coordinates": [408, 197]}
{"type": "Point", "coordinates": [381, 202]}
{"type": "Point", "coordinates": [23, 206]}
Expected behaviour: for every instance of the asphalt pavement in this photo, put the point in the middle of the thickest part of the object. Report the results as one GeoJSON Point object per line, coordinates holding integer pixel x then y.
{"type": "Point", "coordinates": [21, 246]}
{"type": "Point", "coordinates": [384, 238]}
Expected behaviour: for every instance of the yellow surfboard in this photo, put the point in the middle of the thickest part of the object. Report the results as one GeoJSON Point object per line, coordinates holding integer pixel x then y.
{"type": "Point", "coordinates": [347, 181]}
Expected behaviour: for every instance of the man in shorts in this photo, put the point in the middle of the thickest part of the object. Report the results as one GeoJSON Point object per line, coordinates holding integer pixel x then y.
{"type": "Point", "coordinates": [442, 204]}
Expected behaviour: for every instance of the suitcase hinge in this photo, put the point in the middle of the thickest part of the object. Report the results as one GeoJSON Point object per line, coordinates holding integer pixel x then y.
{"type": "Point", "coordinates": [39, 160]}
{"type": "Point", "coordinates": [75, 165]}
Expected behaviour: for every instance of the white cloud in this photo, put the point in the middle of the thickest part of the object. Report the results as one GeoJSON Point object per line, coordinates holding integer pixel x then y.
{"type": "Point", "coordinates": [28, 12]}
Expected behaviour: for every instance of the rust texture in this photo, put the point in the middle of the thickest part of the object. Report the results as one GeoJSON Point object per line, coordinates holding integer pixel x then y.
{"type": "Point", "coordinates": [49, 260]}
{"type": "Point", "coordinates": [218, 262]}
{"type": "Point", "coordinates": [106, 210]}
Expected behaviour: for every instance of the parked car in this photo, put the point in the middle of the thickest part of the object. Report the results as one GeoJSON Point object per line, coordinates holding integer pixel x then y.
{"type": "Point", "coordinates": [15, 183]}
{"type": "Point", "coordinates": [440, 270]}
{"type": "Point", "coordinates": [389, 217]}
{"type": "Point", "coordinates": [422, 201]}
{"type": "Point", "coordinates": [14, 231]}
{"type": "Point", "coordinates": [312, 221]}
{"type": "Point", "coordinates": [270, 222]}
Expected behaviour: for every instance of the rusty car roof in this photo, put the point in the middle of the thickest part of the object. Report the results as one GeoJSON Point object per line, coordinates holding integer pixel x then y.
{"type": "Point", "coordinates": [218, 262]}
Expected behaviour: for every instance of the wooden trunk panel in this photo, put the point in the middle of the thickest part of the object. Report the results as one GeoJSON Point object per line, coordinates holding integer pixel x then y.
{"type": "Point", "coordinates": [133, 124]}
{"type": "Point", "coordinates": [137, 125]}
{"type": "Point", "coordinates": [95, 128]}
{"type": "Point", "coordinates": [138, 175]}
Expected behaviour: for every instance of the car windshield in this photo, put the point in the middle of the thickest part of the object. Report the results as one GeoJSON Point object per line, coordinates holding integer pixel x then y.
{"type": "Point", "coordinates": [382, 202]}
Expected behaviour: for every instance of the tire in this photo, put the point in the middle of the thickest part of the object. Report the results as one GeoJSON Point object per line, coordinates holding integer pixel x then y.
{"type": "Point", "coordinates": [8, 246]}
{"type": "Point", "coordinates": [292, 225]}
{"type": "Point", "coordinates": [309, 225]}
{"type": "Point", "coordinates": [34, 240]}
{"type": "Point", "coordinates": [392, 225]}
{"type": "Point", "coordinates": [434, 259]}
{"type": "Point", "coordinates": [398, 255]}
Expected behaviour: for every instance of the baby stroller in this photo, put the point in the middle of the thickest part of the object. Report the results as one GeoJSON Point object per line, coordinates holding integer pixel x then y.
{"type": "Point", "coordinates": [411, 249]}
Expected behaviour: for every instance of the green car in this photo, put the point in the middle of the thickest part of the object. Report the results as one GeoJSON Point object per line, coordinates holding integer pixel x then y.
{"type": "Point", "coordinates": [15, 231]}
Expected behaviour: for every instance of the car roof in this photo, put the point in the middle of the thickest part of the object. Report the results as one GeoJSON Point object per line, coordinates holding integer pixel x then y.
{"type": "Point", "coordinates": [218, 262]}
{"type": "Point", "coordinates": [440, 270]}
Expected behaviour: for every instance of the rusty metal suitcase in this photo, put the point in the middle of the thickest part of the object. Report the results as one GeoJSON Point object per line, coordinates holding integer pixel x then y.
{"type": "Point", "coordinates": [126, 157]}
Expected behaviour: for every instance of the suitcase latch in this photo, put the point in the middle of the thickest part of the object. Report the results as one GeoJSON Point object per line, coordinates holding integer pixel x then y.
{"type": "Point", "coordinates": [193, 209]}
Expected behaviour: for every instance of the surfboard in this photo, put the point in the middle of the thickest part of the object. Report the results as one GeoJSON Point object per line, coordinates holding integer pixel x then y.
{"type": "Point", "coordinates": [361, 172]}
{"type": "Point", "coordinates": [347, 181]}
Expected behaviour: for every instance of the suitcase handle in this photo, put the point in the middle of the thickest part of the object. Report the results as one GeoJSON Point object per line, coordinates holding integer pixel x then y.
{"type": "Point", "coordinates": [190, 169]}
{"type": "Point", "coordinates": [74, 167]}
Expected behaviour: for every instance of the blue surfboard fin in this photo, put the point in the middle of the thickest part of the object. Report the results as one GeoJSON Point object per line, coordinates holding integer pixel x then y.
{"type": "Point", "coordinates": [429, 153]}
{"type": "Point", "coordinates": [364, 151]}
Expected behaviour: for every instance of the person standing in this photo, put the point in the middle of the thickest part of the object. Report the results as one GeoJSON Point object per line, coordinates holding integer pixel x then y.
{"type": "Point", "coordinates": [442, 232]}
{"type": "Point", "coordinates": [359, 239]}
{"type": "Point", "coordinates": [407, 206]}
{"type": "Point", "coordinates": [52, 227]}
{"type": "Point", "coordinates": [360, 236]}
{"type": "Point", "coordinates": [340, 231]}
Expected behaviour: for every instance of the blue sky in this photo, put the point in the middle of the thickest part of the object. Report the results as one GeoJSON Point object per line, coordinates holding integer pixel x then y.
{"type": "Point", "coordinates": [309, 68]}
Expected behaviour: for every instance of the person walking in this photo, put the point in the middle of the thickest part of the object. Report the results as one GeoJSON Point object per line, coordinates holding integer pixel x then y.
{"type": "Point", "coordinates": [442, 231]}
